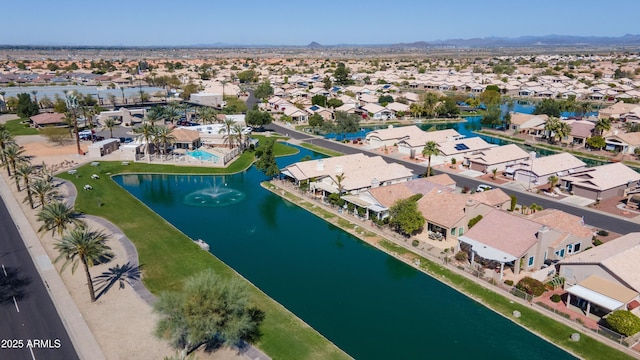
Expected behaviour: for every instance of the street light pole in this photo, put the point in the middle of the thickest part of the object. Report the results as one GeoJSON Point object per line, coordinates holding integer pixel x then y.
{"type": "Point", "coordinates": [72, 104]}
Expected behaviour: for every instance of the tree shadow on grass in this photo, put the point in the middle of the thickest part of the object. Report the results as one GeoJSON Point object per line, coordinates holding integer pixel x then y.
{"type": "Point", "coordinates": [13, 285]}
{"type": "Point", "coordinates": [120, 274]}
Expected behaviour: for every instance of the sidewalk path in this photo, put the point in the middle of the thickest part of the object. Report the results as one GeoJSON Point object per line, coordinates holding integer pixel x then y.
{"type": "Point", "coordinates": [81, 336]}
{"type": "Point", "coordinates": [249, 351]}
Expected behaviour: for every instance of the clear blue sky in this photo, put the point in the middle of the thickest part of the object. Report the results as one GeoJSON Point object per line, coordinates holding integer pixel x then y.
{"type": "Point", "coordinates": [329, 22]}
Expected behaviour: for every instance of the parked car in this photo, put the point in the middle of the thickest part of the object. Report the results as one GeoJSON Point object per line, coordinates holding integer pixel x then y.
{"type": "Point", "coordinates": [483, 187]}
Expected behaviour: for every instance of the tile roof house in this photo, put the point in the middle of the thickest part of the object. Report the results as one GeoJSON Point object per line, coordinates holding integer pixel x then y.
{"type": "Point", "coordinates": [415, 143]}
{"type": "Point", "coordinates": [499, 158]}
{"type": "Point", "coordinates": [378, 112]}
{"type": "Point", "coordinates": [614, 111]}
{"type": "Point", "coordinates": [538, 172]}
{"type": "Point", "coordinates": [601, 182]}
{"type": "Point", "coordinates": [186, 139]}
{"type": "Point", "coordinates": [391, 135]}
{"type": "Point", "coordinates": [47, 119]}
{"type": "Point", "coordinates": [581, 130]}
{"type": "Point", "coordinates": [359, 172]}
{"type": "Point", "coordinates": [378, 200]}
{"type": "Point", "coordinates": [621, 141]}
{"type": "Point", "coordinates": [607, 275]}
{"type": "Point", "coordinates": [528, 123]}
{"type": "Point", "coordinates": [460, 148]}
{"type": "Point", "coordinates": [525, 243]}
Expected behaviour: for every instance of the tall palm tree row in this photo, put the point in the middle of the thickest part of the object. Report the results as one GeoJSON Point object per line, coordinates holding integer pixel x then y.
{"type": "Point", "coordinates": [13, 155]}
{"type": "Point", "coordinates": [86, 246]}
{"type": "Point", "coordinates": [6, 139]}
{"type": "Point", "coordinates": [24, 172]}
{"type": "Point", "coordinates": [228, 136]}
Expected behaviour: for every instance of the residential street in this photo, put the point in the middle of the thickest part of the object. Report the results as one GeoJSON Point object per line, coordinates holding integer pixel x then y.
{"type": "Point", "coordinates": [592, 217]}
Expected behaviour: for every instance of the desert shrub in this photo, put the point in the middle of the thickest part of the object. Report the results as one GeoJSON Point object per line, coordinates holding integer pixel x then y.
{"type": "Point", "coordinates": [512, 205]}
{"type": "Point", "coordinates": [531, 286]}
{"type": "Point", "coordinates": [415, 243]}
{"type": "Point", "coordinates": [259, 153]}
{"type": "Point", "coordinates": [461, 256]}
{"type": "Point", "coordinates": [623, 322]}
{"type": "Point", "coordinates": [603, 232]}
{"type": "Point", "coordinates": [596, 241]}
{"type": "Point", "coordinates": [466, 189]}
{"type": "Point", "coordinates": [474, 221]}
{"type": "Point", "coordinates": [508, 282]}
{"type": "Point", "coordinates": [556, 298]}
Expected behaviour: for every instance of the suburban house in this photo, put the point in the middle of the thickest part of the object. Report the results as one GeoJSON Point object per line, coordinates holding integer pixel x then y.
{"type": "Point", "coordinates": [326, 113]}
{"type": "Point", "coordinates": [350, 174]}
{"type": "Point", "coordinates": [538, 171]}
{"type": "Point", "coordinates": [296, 114]}
{"type": "Point", "coordinates": [460, 148]}
{"type": "Point", "coordinates": [605, 278]}
{"type": "Point", "coordinates": [622, 142]}
{"type": "Point", "coordinates": [48, 120]}
{"type": "Point", "coordinates": [447, 214]}
{"type": "Point", "coordinates": [414, 144]}
{"type": "Point", "coordinates": [601, 182]}
{"type": "Point", "coordinates": [523, 243]}
{"type": "Point", "coordinates": [581, 130]}
{"type": "Point", "coordinates": [528, 123]}
{"type": "Point", "coordinates": [186, 139]}
{"type": "Point", "coordinates": [377, 112]}
{"type": "Point", "coordinates": [614, 111]}
{"type": "Point", "coordinates": [500, 158]}
{"type": "Point", "coordinates": [378, 200]}
{"type": "Point", "coordinates": [392, 135]}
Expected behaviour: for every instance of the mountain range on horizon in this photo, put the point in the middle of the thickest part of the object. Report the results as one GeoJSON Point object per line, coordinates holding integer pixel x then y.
{"type": "Point", "coordinates": [485, 42]}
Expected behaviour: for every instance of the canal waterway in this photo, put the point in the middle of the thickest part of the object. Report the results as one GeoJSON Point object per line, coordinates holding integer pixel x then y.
{"type": "Point", "coordinates": [366, 302]}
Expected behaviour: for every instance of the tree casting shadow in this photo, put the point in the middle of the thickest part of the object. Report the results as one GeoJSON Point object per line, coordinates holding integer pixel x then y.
{"type": "Point", "coordinates": [120, 274]}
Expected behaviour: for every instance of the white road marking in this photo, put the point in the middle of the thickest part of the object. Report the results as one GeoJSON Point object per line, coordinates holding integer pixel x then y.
{"type": "Point", "coordinates": [32, 355]}
{"type": "Point", "coordinates": [16, 303]}
{"type": "Point", "coordinates": [4, 270]}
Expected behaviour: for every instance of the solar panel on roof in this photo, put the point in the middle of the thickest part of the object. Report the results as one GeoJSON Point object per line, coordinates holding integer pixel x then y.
{"type": "Point", "coordinates": [461, 147]}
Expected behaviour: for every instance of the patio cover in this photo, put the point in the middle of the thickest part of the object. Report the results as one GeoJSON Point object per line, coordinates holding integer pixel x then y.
{"type": "Point", "coordinates": [603, 293]}
{"type": "Point", "coordinates": [356, 200]}
{"type": "Point", "coordinates": [377, 208]}
{"type": "Point", "coordinates": [319, 185]}
{"type": "Point", "coordinates": [486, 251]}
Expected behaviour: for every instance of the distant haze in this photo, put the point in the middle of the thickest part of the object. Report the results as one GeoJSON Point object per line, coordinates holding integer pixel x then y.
{"type": "Point", "coordinates": [299, 23]}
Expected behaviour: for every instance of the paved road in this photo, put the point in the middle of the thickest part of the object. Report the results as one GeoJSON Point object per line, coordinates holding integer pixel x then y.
{"type": "Point", "coordinates": [27, 314]}
{"type": "Point", "coordinates": [595, 218]}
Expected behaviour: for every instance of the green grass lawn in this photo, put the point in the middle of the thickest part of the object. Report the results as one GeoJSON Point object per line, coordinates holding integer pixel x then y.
{"type": "Point", "coordinates": [168, 256]}
{"type": "Point", "coordinates": [321, 150]}
{"type": "Point", "coordinates": [16, 128]}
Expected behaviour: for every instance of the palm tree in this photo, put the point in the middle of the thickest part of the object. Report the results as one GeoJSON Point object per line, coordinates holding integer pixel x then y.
{"type": "Point", "coordinates": [43, 190]}
{"type": "Point", "coordinates": [5, 139]}
{"type": "Point", "coordinates": [165, 137]}
{"type": "Point", "coordinates": [35, 98]}
{"type": "Point", "coordinates": [23, 172]}
{"type": "Point", "coordinates": [239, 138]}
{"type": "Point", "coordinates": [57, 216]}
{"type": "Point", "coordinates": [207, 114]}
{"type": "Point", "coordinates": [602, 125]}
{"type": "Point", "coordinates": [84, 245]}
{"type": "Point", "coordinates": [109, 123]}
{"type": "Point", "coordinates": [552, 180]}
{"type": "Point", "coordinates": [112, 99]}
{"type": "Point", "coordinates": [13, 154]}
{"type": "Point", "coordinates": [430, 148]}
{"type": "Point", "coordinates": [147, 132]}
{"type": "Point", "coordinates": [122, 91]}
{"type": "Point", "coordinates": [339, 179]}
{"type": "Point", "coordinates": [172, 113]}
{"type": "Point", "coordinates": [154, 114]}
{"type": "Point", "coordinates": [228, 137]}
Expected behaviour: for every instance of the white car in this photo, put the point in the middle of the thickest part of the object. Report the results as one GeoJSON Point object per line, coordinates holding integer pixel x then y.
{"type": "Point", "coordinates": [483, 187]}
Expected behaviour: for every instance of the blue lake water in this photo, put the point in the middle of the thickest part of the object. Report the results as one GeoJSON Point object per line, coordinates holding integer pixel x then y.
{"type": "Point", "coordinates": [368, 303]}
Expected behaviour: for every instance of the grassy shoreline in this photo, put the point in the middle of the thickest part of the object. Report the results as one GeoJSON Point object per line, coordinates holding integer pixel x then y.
{"type": "Point", "coordinates": [547, 328]}
{"type": "Point", "coordinates": [168, 256]}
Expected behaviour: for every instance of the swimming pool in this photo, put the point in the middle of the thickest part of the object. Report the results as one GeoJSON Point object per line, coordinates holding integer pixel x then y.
{"type": "Point", "coordinates": [203, 155]}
